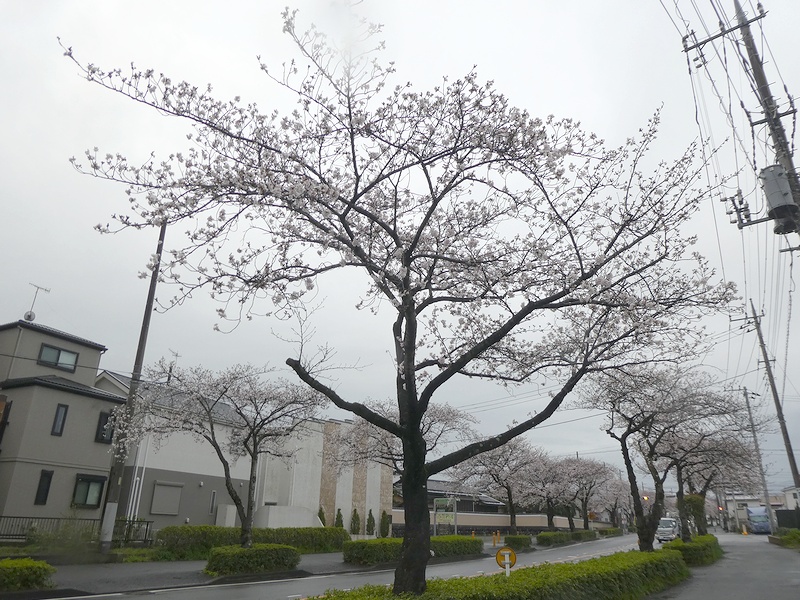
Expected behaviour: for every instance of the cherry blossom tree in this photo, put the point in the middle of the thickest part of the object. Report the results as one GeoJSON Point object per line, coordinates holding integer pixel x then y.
{"type": "Point", "coordinates": [505, 247]}
{"type": "Point", "coordinates": [664, 417]}
{"type": "Point", "coordinates": [587, 478]}
{"type": "Point", "coordinates": [503, 473]}
{"type": "Point", "coordinates": [236, 411]}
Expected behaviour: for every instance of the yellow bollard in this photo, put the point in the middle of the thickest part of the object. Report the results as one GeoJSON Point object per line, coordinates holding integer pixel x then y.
{"type": "Point", "coordinates": [473, 534]}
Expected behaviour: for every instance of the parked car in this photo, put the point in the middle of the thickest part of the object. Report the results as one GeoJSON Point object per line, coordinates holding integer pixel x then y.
{"type": "Point", "coordinates": [758, 520]}
{"type": "Point", "coordinates": [668, 530]}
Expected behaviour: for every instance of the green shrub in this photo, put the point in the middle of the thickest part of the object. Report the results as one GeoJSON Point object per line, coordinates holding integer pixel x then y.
{"type": "Point", "coordinates": [370, 523]}
{"type": "Point", "coordinates": [702, 550]}
{"type": "Point", "coordinates": [610, 532]}
{"type": "Point", "coordinates": [24, 574]}
{"type": "Point", "coordinates": [582, 535]}
{"type": "Point", "coordinates": [321, 516]}
{"type": "Point", "coordinates": [260, 558]}
{"type": "Point", "coordinates": [339, 521]}
{"type": "Point", "coordinates": [553, 538]}
{"type": "Point", "coordinates": [193, 542]}
{"type": "Point", "coordinates": [518, 542]}
{"type": "Point", "coordinates": [386, 524]}
{"type": "Point", "coordinates": [385, 550]}
{"type": "Point", "coordinates": [627, 575]}
{"type": "Point", "coordinates": [789, 538]}
{"type": "Point", "coordinates": [355, 523]}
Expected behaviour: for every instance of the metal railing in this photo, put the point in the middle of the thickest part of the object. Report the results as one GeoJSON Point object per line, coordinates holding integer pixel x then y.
{"type": "Point", "coordinates": [25, 528]}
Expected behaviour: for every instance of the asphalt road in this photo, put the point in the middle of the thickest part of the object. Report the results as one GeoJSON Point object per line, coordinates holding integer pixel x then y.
{"type": "Point", "coordinates": [291, 589]}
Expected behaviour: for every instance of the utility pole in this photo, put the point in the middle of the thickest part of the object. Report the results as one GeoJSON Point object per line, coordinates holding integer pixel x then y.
{"type": "Point", "coordinates": [118, 468]}
{"type": "Point", "coordinates": [772, 522]}
{"type": "Point", "coordinates": [781, 421]}
{"type": "Point", "coordinates": [788, 221]}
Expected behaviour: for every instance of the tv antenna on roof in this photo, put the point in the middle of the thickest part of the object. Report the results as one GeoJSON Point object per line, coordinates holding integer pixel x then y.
{"type": "Point", "coordinates": [30, 315]}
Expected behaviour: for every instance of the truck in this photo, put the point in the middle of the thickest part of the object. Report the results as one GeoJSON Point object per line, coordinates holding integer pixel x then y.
{"type": "Point", "coordinates": [758, 520]}
{"type": "Point", "coordinates": [668, 529]}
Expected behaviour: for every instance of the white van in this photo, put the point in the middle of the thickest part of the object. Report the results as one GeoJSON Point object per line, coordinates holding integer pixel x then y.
{"type": "Point", "coordinates": [668, 530]}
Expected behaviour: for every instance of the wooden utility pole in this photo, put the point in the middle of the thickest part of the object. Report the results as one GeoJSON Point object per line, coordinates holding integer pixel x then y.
{"type": "Point", "coordinates": [778, 408]}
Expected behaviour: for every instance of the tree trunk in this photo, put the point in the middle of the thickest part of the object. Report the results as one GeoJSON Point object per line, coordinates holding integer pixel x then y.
{"type": "Point", "coordinates": [570, 516]}
{"type": "Point", "coordinates": [686, 535]}
{"type": "Point", "coordinates": [551, 514]}
{"type": "Point", "coordinates": [585, 510]}
{"type": "Point", "coordinates": [512, 512]}
{"type": "Point", "coordinates": [409, 577]}
{"type": "Point", "coordinates": [700, 520]}
{"type": "Point", "coordinates": [645, 530]}
{"type": "Point", "coordinates": [247, 522]}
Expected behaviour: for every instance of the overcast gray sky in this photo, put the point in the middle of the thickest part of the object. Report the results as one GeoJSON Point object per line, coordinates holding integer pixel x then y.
{"type": "Point", "coordinates": [608, 64]}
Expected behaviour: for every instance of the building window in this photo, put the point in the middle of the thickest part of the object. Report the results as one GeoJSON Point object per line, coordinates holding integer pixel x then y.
{"type": "Point", "coordinates": [213, 502]}
{"type": "Point", "coordinates": [88, 491]}
{"type": "Point", "coordinates": [166, 498]}
{"type": "Point", "coordinates": [105, 431]}
{"type": "Point", "coordinates": [59, 419]}
{"type": "Point", "coordinates": [5, 408]}
{"type": "Point", "coordinates": [45, 477]}
{"type": "Point", "coordinates": [58, 358]}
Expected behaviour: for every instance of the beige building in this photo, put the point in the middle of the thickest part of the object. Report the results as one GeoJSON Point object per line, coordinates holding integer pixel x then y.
{"type": "Point", "coordinates": [54, 446]}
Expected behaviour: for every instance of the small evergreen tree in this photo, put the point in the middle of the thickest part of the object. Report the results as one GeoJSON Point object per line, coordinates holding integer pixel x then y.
{"type": "Point", "coordinates": [321, 516]}
{"type": "Point", "coordinates": [355, 523]}
{"type": "Point", "coordinates": [339, 522]}
{"type": "Point", "coordinates": [386, 523]}
{"type": "Point", "coordinates": [370, 523]}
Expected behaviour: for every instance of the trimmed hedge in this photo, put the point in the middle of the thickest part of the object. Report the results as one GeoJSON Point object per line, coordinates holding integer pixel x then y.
{"type": "Point", "coordinates": [582, 535]}
{"type": "Point", "coordinates": [518, 542]}
{"type": "Point", "coordinates": [626, 575]}
{"type": "Point", "coordinates": [24, 574]}
{"type": "Point", "coordinates": [385, 550]}
{"type": "Point", "coordinates": [610, 532]}
{"type": "Point", "coordinates": [260, 558]}
{"type": "Point", "coordinates": [195, 541]}
{"type": "Point", "coordinates": [702, 550]}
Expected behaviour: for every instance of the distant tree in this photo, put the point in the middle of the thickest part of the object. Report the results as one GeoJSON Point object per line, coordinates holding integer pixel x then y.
{"type": "Point", "coordinates": [236, 411]}
{"type": "Point", "coordinates": [370, 523]}
{"type": "Point", "coordinates": [663, 416]}
{"type": "Point", "coordinates": [586, 479]}
{"type": "Point", "coordinates": [502, 472]}
{"type": "Point", "coordinates": [503, 247]}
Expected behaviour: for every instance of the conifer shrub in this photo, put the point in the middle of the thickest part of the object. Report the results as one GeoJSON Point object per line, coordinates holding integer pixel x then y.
{"type": "Point", "coordinates": [339, 521]}
{"type": "Point", "coordinates": [386, 525]}
{"type": "Point", "coordinates": [321, 516]}
{"type": "Point", "coordinates": [370, 523]}
{"type": "Point", "coordinates": [355, 523]}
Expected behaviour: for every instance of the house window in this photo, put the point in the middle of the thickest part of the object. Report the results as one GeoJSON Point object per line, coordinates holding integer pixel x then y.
{"type": "Point", "coordinates": [213, 502]}
{"type": "Point", "coordinates": [43, 490]}
{"type": "Point", "coordinates": [59, 419]}
{"type": "Point", "coordinates": [88, 491]}
{"type": "Point", "coordinates": [58, 358]}
{"type": "Point", "coordinates": [105, 431]}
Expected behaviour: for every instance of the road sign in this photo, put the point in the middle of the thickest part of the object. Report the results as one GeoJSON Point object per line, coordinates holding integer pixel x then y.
{"type": "Point", "coordinates": [506, 557]}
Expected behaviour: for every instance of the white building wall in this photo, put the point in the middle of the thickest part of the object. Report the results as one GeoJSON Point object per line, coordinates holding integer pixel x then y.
{"type": "Point", "coordinates": [344, 495]}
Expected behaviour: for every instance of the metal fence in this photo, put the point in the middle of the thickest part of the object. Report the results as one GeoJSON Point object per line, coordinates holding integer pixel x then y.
{"type": "Point", "coordinates": [25, 528]}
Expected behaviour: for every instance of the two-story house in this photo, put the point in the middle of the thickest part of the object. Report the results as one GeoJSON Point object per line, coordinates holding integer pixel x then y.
{"type": "Point", "coordinates": [54, 444]}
